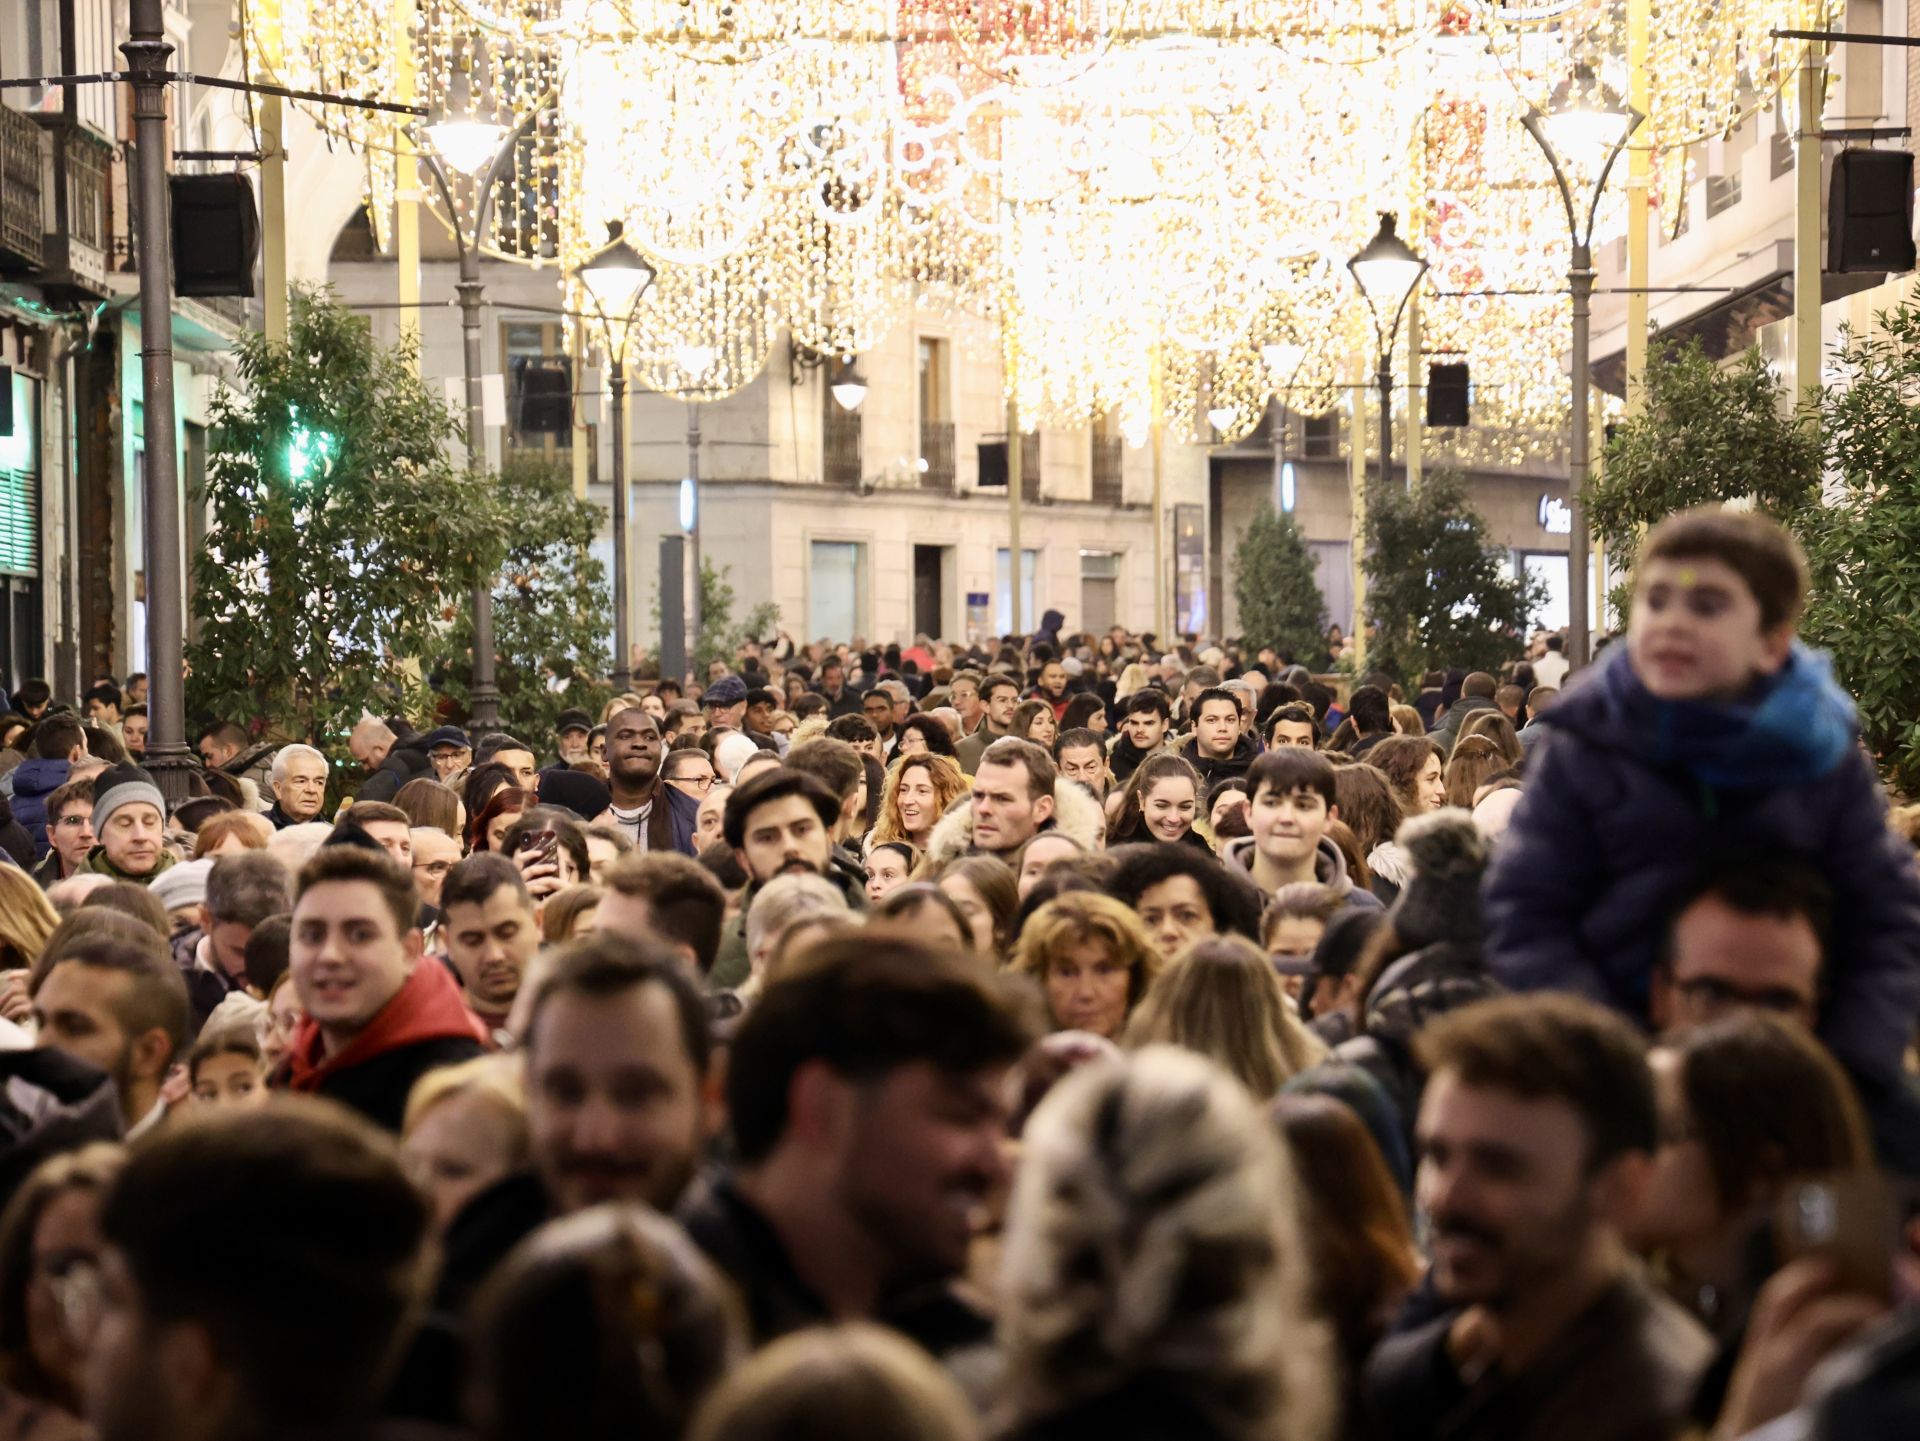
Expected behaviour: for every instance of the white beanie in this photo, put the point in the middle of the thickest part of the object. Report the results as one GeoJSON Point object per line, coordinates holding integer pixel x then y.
{"type": "Point", "coordinates": [731, 752]}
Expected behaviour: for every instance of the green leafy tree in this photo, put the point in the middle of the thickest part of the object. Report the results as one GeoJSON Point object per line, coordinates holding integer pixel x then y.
{"type": "Point", "coordinates": [1863, 542]}
{"type": "Point", "coordinates": [1274, 586]}
{"type": "Point", "coordinates": [720, 638]}
{"type": "Point", "coordinates": [342, 536]}
{"type": "Point", "coordinates": [1436, 587]}
{"type": "Point", "coordinates": [550, 606]}
{"type": "Point", "coordinates": [1708, 433]}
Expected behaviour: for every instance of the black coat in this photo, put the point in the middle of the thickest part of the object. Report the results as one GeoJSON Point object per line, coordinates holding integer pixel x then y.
{"type": "Point", "coordinates": [379, 1086]}
{"type": "Point", "coordinates": [407, 761]}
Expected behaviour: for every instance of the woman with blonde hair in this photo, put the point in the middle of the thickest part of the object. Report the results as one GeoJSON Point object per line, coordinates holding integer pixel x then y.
{"type": "Point", "coordinates": [1222, 999]}
{"type": "Point", "coordinates": [27, 918]}
{"type": "Point", "coordinates": [1092, 958]}
{"type": "Point", "coordinates": [465, 1130]}
{"type": "Point", "coordinates": [1133, 678]}
{"type": "Point", "coordinates": [1155, 1282]}
{"type": "Point", "coordinates": [918, 791]}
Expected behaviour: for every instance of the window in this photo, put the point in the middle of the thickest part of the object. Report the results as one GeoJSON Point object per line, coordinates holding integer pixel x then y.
{"type": "Point", "coordinates": [1320, 438]}
{"type": "Point", "coordinates": [935, 402]}
{"type": "Point", "coordinates": [1723, 193]}
{"type": "Point", "coordinates": [836, 588]}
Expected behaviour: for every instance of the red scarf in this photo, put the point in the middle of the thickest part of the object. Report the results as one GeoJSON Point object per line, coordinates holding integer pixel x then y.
{"type": "Point", "coordinates": [428, 1007]}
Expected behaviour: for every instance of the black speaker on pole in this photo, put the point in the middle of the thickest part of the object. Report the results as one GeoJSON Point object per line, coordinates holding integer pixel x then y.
{"type": "Point", "coordinates": [216, 234]}
{"type": "Point", "coordinates": [545, 396]}
{"type": "Point", "coordinates": [6, 400]}
{"type": "Point", "coordinates": [1448, 384]}
{"type": "Point", "coordinates": [1870, 211]}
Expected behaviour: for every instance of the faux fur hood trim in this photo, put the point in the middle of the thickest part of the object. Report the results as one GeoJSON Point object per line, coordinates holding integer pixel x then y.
{"type": "Point", "coordinates": [1076, 815]}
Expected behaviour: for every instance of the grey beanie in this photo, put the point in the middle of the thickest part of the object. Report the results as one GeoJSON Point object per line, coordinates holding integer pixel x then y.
{"type": "Point", "coordinates": [1442, 900]}
{"type": "Point", "coordinates": [123, 786]}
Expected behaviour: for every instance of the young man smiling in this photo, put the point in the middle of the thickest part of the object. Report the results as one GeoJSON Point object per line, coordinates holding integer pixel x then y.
{"type": "Point", "coordinates": [1293, 800]}
{"type": "Point", "coordinates": [377, 1019]}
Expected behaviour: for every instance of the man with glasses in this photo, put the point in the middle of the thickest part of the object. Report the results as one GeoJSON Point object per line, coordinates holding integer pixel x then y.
{"type": "Point", "coordinates": [690, 772]}
{"type": "Point", "coordinates": [450, 753]}
{"type": "Point", "coordinates": [70, 831]}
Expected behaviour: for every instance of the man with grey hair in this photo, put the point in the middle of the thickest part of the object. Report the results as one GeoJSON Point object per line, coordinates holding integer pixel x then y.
{"type": "Point", "coordinates": [299, 786]}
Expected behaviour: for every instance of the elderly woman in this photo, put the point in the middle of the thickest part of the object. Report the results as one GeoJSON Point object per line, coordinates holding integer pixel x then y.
{"type": "Point", "coordinates": [1154, 1281]}
{"type": "Point", "coordinates": [1092, 958]}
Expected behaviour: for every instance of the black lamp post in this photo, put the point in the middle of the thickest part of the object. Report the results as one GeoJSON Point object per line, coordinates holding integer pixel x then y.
{"type": "Point", "coordinates": [1387, 272]}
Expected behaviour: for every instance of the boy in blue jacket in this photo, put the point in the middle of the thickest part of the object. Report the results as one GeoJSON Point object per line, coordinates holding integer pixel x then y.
{"type": "Point", "coordinates": [1711, 730]}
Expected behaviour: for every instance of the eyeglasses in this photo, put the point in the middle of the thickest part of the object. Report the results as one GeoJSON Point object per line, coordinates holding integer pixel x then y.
{"type": "Point", "coordinates": [701, 782]}
{"type": "Point", "coordinates": [75, 822]}
{"type": "Point", "coordinates": [433, 868]}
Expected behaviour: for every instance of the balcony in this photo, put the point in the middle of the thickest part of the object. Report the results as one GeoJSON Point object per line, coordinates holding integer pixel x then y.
{"type": "Point", "coordinates": [23, 222]}
{"type": "Point", "coordinates": [937, 470]}
{"type": "Point", "coordinates": [1108, 454]}
{"type": "Point", "coordinates": [840, 444]}
{"type": "Point", "coordinates": [77, 177]}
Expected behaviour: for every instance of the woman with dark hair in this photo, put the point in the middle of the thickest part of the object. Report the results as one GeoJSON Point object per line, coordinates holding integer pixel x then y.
{"type": "Point", "coordinates": [430, 805]}
{"type": "Point", "coordinates": [925, 912]}
{"type": "Point", "coordinates": [50, 1256]}
{"type": "Point", "coordinates": [1183, 895]}
{"type": "Point", "coordinates": [1415, 768]}
{"type": "Point", "coordinates": [1086, 712]}
{"type": "Point", "coordinates": [1748, 1105]}
{"type": "Point", "coordinates": [1372, 811]}
{"type": "Point", "coordinates": [1035, 721]}
{"type": "Point", "coordinates": [1497, 728]}
{"type": "Point", "coordinates": [481, 783]}
{"type": "Point", "coordinates": [1475, 761]}
{"type": "Point", "coordinates": [1358, 1235]}
{"type": "Point", "coordinates": [988, 896]}
{"type": "Point", "coordinates": [924, 735]}
{"type": "Point", "coordinates": [1161, 802]}
{"type": "Point", "coordinates": [889, 865]}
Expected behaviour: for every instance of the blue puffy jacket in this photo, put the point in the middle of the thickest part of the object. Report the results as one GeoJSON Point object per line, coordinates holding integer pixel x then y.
{"type": "Point", "coordinates": [34, 780]}
{"type": "Point", "coordinates": [1627, 797]}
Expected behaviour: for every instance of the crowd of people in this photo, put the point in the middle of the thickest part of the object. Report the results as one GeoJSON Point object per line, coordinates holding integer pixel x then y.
{"type": "Point", "coordinates": [1074, 1036]}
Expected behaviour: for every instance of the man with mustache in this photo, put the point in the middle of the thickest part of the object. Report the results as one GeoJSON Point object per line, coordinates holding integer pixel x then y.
{"type": "Point", "coordinates": [1536, 1136]}
{"type": "Point", "coordinates": [867, 1098]}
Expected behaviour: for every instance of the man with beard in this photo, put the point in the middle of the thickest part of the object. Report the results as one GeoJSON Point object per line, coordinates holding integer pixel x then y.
{"type": "Point", "coordinates": [121, 1004]}
{"type": "Point", "coordinates": [779, 823]}
{"type": "Point", "coordinates": [656, 817]}
{"type": "Point", "coordinates": [1536, 1136]}
{"type": "Point", "coordinates": [1143, 731]}
{"type": "Point", "coordinates": [491, 933]}
{"type": "Point", "coordinates": [868, 1101]}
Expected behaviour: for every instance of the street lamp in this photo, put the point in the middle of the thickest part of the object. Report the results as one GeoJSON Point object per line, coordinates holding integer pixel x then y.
{"type": "Point", "coordinates": [848, 385]}
{"type": "Point", "coordinates": [1585, 122]}
{"type": "Point", "coordinates": [616, 276]}
{"type": "Point", "coordinates": [477, 149]}
{"type": "Point", "coordinates": [1387, 272]}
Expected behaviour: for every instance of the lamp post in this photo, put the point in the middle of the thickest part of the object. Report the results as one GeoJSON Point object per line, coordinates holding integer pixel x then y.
{"type": "Point", "coordinates": [147, 53]}
{"type": "Point", "coordinates": [477, 149]}
{"type": "Point", "coordinates": [616, 276]}
{"type": "Point", "coordinates": [1387, 271]}
{"type": "Point", "coordinates": [1584, 118]}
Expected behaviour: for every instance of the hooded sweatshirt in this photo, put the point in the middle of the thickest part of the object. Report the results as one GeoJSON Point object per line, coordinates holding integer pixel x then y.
{"type": "Point", "coordinates": [1628, 795]}
{"type": "Point", "coordinates": [424, 1026]}
{"type": "Point", "coordinates": [1329, 869]}
{"type": "Point", "coordinates": [34, 779]}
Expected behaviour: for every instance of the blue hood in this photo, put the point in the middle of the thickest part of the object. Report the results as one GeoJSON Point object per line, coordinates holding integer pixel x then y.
{"type": "Point", "coordinates": [1792, 727]}
{"type": "Point", "coordinates": [37, 777]}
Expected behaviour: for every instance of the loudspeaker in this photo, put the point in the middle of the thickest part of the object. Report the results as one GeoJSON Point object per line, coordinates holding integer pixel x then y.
{"type": "Point", "coordinates": [545, 397]}
{"type": "Point", "coordinates": [6, 400]}
{"type": "Point", "coordinates": [216, 234]}
{"type": "Point", "coordinates": [1870, 211]}
{"type": "Point", "coordinates": [1447, 387]}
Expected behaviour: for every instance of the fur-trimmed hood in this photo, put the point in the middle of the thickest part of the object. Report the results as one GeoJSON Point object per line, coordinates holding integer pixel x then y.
{"type": "Point", "coordinates": [1076, 815]}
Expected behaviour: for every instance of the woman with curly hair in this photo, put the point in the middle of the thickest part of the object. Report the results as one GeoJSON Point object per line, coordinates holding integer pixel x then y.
{"type": "Point", "coordinates": [1092, 958]}
{"type": "Point", "coordinates": [1161, 801]}
{"type": "Point", "coordinates": [1416, 769]}
{"type": "Point", "coordinates": [918, 790]}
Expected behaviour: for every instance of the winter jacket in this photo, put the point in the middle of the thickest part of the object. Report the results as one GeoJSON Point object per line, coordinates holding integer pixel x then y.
{"type": "Point", "coordinates": [407, 761]}
{"type": "Point", "coordinates": [1076, 815]}
{"type": "Point", "coordinates": [732, 965]}
{"type": "Point", "coordinates": [671, 827]}
{"type": "Point", "coordinates": [1458, 714]}
{"type": "Point", "coordinates": [1330, 869]}
{"type": "Point", "coordinates": [1629, 796]}
{"type": "Point", "coordinates": [14, 839]}
{"type": "Point", "coordinates": [1049, 632]}
{"type": "Point", "coordinates": [34, 779]}
{"type": "Point", "coordinates": [971, 748]}
{"type": "Point", "coordinates": [1125, 758]}
{"type": "Point", "coordinates": [744, 1245]}
{"type": "Point", "coordinates": [425, 1026]}
{"type": "Point", "coordinates": [1419, 987]}
{"type": "Point", "coordinates": [1233, 767]}
{"type": "Point", "coordinates": [51, 1102]}
{"type": "Point", "coordinates": [1624, 1370]}
{"type": "Point", "coordinates": [97, 864]}
{"type": "Point", "coordinates": [255, 764]}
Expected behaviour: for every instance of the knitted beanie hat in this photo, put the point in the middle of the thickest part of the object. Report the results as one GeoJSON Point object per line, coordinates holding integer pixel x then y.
{"type": "Point", "coordinates": [1442, 900]}
{"type": "Point", "coordinates": [123, 786]}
